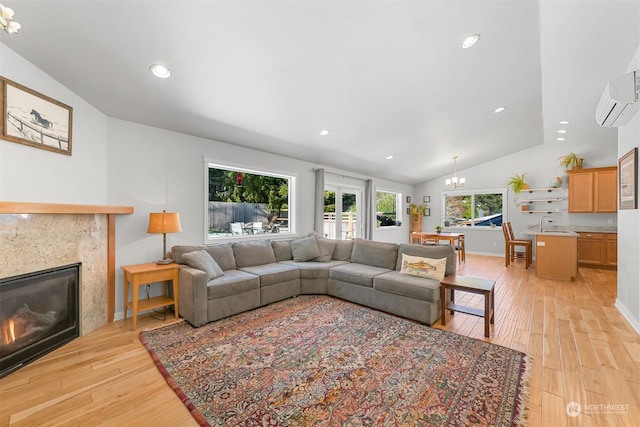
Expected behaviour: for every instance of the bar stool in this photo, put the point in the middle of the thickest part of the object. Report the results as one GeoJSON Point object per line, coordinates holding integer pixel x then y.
{"type": "Point", "coordinates": [510, 253]}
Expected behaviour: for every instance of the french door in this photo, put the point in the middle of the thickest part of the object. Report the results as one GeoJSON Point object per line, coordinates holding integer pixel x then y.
{"type": "Point", "coordinates": [341, 212]}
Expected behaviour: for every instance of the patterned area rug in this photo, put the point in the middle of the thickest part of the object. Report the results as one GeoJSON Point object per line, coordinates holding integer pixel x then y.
{"type": "Point", "coordinates": [321, 361]}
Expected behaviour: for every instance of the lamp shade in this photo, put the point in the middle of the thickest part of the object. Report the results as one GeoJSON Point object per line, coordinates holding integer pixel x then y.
{"type": "Point", "coordinates": [164, 222]}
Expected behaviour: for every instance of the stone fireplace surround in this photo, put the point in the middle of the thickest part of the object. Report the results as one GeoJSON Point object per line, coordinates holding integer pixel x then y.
{"type": "Point", "coordinates": [38, 236]}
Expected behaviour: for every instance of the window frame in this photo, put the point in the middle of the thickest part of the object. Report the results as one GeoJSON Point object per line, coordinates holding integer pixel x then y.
{"type": "Point", "coordinates": [399, 213]}
{"type": "Point", "coordinates": [472, 193]}
{"type": "Point", "coordinates": [291, 203]}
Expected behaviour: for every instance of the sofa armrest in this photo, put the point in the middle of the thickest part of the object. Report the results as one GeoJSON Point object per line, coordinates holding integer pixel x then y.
{"type": "Point", "coordinates": [193, 295]}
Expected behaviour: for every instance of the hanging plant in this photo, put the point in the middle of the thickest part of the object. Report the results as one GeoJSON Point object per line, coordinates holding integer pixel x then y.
{"type": "Point", "coordinates": [571, 161]}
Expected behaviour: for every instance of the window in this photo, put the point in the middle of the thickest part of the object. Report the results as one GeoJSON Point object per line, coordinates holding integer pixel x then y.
{"type": "Point", "coordinates": [387, 207]}
{"type": "Point", "coordinates": [244, 203]}
{"type": "Point", "coordinates": [481, 208]}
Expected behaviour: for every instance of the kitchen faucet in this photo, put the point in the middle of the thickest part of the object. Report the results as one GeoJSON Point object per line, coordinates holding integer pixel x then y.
{"type": "Point", "coordinates": [549, 219]}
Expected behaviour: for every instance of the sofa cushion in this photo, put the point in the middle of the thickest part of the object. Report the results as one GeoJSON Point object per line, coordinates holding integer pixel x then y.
{"type": "Point", "coordinates": [343, 250]}
{"type": "Point", "coordinates": [252, 253]}
{"type": "Point", "coordinates": [223, 254]}
{"type": "Point", "coordinates": [409, 286]}
{"type": "Point", "coordinates": [423, 267]}
{"type": "Point", "coordinates": [358, 274]}
{"type": "Point", "coordinates": [377, 254]}
{"type": "Point", "coordinates": [305, 249]}
{"type": "Point", "coordinates": [233, 282]}
{"type": "Point", "coordinates": [313, 269]}
{"type": "Point", "coordinates": [273, 273]}
{"type": "Point", "coordinates": [203, 261]}
{"type": "Point", "coordinates": [326, 247]}
{"type": "Point", "coordinates": [434, 252]}
{"type": "Point", "coordinates": [282, 250]}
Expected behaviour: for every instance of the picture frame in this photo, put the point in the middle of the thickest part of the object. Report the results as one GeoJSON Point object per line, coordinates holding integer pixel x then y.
{"type": "Point", "coordinates": [427, 212]}
{"type": "Point", "coordinates": [408, 199]}
{"type": "Point", "coordinates": [426, 199]}
{"type": "Point", "coordinates": [408, 211]}
{"type": "Point", "coordinates": [628, 180]}
{"type": "Point", "coordinates": [34, 119]}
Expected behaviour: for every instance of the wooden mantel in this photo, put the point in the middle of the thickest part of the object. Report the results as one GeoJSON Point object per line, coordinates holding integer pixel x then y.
{"type": "Point", "coordinates": [71, 209]}
{"type": "Point", "coordinates": [60, 208]}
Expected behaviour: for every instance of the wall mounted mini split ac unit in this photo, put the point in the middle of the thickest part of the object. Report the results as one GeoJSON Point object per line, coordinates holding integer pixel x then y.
{"type": "Point", "coordinates": [620, 100]}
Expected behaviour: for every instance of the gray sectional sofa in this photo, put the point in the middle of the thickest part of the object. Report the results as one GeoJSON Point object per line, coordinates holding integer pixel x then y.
{"type": "Point", "coordinates": [255, 273]}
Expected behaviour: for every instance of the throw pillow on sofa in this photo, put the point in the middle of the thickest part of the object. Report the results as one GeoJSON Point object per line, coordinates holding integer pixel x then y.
{"type": "Point", "coordinates": [203, 261]}
{"type": "Point", "coordinates": [423, 267]}
{"type": "Point", "coordinates": [343, 249]}
{"type": "Point", "coordinates": [305, 249]}
{"type": "Point", "coordinates": [326, 248]}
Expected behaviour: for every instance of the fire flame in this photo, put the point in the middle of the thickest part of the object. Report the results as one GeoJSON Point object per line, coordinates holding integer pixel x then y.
{"type": "Point", "coordinates": [10, 333]}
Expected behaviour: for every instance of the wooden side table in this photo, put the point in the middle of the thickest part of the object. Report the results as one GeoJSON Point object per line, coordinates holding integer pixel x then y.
{"type": "Point", "coordinates": [142, 274]}
{"type": "Point", "coordinates": [472, 285]}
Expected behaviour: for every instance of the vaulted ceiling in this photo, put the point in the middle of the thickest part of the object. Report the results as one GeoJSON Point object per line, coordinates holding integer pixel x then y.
{"type": "Point", "coordinates": [387, 78]}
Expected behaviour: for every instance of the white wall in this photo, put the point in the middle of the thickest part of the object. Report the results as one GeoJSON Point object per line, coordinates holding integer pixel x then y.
{"type": "Point", "coordinates": [30, 174]}
{"type": "Point", "coordinates": [540, 164]}
{"type": "Point", "coordinates": [116, 162]}
{"type": "Point", "coordinates": [153, 169]}
{"type": "Point", "coordinates": [628, 299]}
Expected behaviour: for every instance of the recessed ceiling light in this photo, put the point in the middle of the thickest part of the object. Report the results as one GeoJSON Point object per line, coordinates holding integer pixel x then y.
{"type": "Point", "coordinates": [565, 122]}
{"type": "Point", "coordinates": [470, 41]}
{"type": "Point", "coordinates": [559, 139]}
{"type": "Point", "coordinates": [324, 132]}
{"type": "Point", "coordinates": [389, 157]}
{"type": "Point", "coordinates": [562, 131]}
{"type": "Point", "coordinates": [500, 110]}
{"type": "Point", "coordinates": [160, 71]}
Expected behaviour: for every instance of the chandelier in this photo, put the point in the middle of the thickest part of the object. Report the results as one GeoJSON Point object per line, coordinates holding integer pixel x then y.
{"type": "Point", "coordinates": [6, 20]}
{"type": "Point", "coordinates": [454, 181]}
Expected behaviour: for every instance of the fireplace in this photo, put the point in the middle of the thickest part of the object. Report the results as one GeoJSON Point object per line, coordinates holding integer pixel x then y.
{"type": "Point", "coordinates": [39, 312]}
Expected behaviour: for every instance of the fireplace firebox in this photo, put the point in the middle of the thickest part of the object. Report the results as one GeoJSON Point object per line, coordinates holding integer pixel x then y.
{"type": "Point", "coordinates": [39, 312]}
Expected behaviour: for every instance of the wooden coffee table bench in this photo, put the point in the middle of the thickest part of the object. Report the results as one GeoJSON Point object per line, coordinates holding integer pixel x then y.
{"type": "Point", "coordinates": [471, 285]}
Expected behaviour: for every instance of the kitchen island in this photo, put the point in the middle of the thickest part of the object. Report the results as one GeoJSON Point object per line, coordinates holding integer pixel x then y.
{"type": "Point", "coordinates": [556, 253]}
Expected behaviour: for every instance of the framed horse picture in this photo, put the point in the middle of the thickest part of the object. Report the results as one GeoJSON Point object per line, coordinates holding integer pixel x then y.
{"type": "Point", "coordinates": [34, 119]}
{"type": "Point", "coordinates": [628, 180]}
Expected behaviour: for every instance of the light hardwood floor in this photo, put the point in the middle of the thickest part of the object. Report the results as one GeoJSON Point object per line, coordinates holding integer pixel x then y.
{"type": "Point", "coordinates": [583, 351]}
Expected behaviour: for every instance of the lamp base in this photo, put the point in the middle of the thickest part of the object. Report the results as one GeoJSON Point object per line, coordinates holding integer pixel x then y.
{"type": "Point", "coordinates": [164, 261]}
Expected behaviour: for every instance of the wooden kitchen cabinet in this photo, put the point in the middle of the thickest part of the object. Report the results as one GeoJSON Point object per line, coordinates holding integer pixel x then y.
{"type": "Point", "coordinates": [598, 250]}
{"type": "Point", "coordinates": [612, 250]}
{"type": "Point", "coordinates": [593, 190]}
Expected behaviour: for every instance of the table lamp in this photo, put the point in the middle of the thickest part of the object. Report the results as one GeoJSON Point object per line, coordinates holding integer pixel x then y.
{"type": "Point", "coordinates": [164, 222]}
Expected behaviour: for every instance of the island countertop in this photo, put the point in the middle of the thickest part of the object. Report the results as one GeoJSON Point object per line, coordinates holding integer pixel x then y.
{"type": "Point", "coordinates": [568, 230]}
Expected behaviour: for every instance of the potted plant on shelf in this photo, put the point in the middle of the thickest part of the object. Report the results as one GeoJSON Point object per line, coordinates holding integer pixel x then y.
{"type": "Point", "coordinates": [417, 208]}
{"type": "Point", "coordinates": [571, 161]}
{"type": "Point", "coordinates": [438, 229]}
{"type": "Point", "coordinates": [517, 183]}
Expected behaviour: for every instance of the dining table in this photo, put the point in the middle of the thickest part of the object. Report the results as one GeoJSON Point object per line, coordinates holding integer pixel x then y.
{"type": "Point", "coordinates": [422, 236]}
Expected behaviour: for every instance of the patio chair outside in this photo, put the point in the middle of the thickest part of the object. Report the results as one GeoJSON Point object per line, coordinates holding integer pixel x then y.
{"type": "Point", "coordinates": [237, 228]}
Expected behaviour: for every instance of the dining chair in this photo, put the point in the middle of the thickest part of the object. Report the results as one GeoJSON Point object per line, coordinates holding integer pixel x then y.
{"type": "Point", "coordinates": [429, 241]}
{"type": "Point", "coordinates": [510, 252]}
{"type": "Point", "coordinates": [460, 250]}
{"type": "Point", "coordinates": [416, 237]}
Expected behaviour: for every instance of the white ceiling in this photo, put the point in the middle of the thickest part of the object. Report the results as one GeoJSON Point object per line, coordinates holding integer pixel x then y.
{"type": "Point", "coordinates": [387, 78]}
